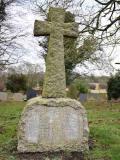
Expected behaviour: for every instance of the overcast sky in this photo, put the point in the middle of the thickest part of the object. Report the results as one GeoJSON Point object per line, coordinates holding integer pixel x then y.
{"type": "Point", "coordinates": [21, 17]}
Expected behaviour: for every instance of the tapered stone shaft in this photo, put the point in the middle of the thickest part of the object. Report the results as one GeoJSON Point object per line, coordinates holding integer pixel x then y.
{"type": "Point", "coordinates": [55, 81]}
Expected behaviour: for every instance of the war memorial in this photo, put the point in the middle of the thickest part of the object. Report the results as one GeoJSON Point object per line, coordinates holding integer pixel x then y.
{"type": "Point", "coordinates": [54, 123]}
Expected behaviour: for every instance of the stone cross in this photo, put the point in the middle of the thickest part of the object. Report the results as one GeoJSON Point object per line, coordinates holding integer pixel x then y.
{"type": "Point", "coordinates": [55, 81]}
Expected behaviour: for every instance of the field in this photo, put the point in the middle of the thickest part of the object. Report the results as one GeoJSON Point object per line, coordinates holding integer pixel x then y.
{"type": "Point", "coordinates": [104, 123]}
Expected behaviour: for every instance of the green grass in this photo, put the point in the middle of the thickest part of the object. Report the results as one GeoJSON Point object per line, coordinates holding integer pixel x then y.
{"type": "Point", "coordinates": [9, 117]}
{"type": "Point", "coordinates": [104, 122]}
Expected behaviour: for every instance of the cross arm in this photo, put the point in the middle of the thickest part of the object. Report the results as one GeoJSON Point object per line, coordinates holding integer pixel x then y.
{"type": "Point", "coordinates": [42, 28]}
{"type": "Point", "coordinates": [71, 29]}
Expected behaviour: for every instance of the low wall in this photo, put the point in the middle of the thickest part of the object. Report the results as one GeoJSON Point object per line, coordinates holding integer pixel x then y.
{"type": "Point", "coordinates": [3, 96]}
{"type": "Point", "coordinates": [92, 97]}
{"type": "Point", "coordinates": [96, 96]}
{"type": "Point", "coordinates": [99, 91]}
{"type": "Point", "coordinates": [8, 96]}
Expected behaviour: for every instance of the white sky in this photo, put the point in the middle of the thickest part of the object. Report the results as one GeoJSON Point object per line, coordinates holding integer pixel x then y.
{"type": "Point", "coordinates": [21, 18]}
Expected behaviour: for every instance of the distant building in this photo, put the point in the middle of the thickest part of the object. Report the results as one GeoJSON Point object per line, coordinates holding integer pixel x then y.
{"type": "Point", "coordinates": [97, 88]}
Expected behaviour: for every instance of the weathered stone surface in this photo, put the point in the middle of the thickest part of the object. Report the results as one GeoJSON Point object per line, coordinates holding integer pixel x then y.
{"type": "Point", "coordinates": [54, 156]}
{"type": "Point", "coordinates": [53, 125]}
{"type": "Point", "coordinates": [55, 83]}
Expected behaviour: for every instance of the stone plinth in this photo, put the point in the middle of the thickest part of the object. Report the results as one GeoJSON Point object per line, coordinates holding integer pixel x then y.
{"type": "Point", "coordinates": [53, 125]}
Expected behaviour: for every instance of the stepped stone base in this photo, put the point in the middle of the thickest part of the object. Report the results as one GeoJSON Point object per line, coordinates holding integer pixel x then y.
{"type": "Point", "coordinates": [51, 125]}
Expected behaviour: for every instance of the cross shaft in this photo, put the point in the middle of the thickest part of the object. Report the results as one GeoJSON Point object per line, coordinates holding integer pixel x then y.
{"type": "Point", "coordinates": [55, 82]}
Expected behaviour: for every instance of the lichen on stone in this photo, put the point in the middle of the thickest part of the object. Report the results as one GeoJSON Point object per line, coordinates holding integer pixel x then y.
{"type": "Point", "coordinates": [47, 106]}
{"type": "Point", "coordinates": [48, 124]}
{"type": "Point", "coordinates": [55, 102]}
{"type": "Point", "coordinates": [55, 81]}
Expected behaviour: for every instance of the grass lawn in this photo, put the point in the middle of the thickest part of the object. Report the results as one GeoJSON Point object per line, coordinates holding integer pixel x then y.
{"type": "Point", "coordinates": [9, 117]}
{"type": "Point", "coordinates": [104, 122]}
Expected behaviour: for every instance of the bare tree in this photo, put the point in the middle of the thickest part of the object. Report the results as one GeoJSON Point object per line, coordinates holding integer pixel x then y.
{"type": "Point", "coordinates": [105, 20]}
{"type": "Point", "coordinates": [33, 72]}
{"type": "Point", "coordinates": [3, 5]}
{"type": "Point", "coordinates": [86, 17]}
{"type": "Point", "coordinates": [7, 40]}
{"type": "Point", "coordinates": [101, 18]}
